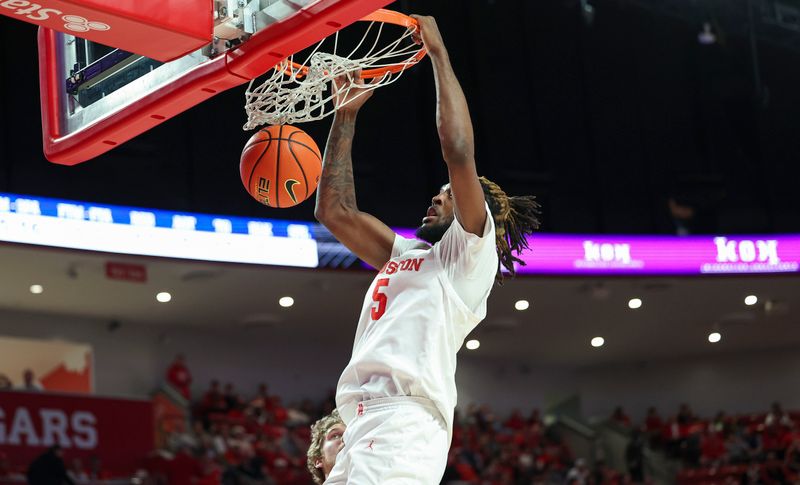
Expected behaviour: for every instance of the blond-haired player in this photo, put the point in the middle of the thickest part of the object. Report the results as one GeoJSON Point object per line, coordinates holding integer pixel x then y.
{"type": "Point", "coordinates": [326, 443]}
{"type": "Point", "coordinates": [398, 393]}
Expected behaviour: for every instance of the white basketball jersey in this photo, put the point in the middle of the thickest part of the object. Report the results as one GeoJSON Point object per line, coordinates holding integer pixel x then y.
{"type": "Point", "coordinates": [416, 314]}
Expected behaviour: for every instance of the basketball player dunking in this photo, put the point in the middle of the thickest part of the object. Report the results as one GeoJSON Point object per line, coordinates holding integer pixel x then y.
{"type": "Point", "coordinates": [398, 393]}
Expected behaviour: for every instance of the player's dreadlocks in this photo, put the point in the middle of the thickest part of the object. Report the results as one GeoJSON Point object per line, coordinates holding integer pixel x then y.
{"type": "Point", "coordinates": [514, 218]}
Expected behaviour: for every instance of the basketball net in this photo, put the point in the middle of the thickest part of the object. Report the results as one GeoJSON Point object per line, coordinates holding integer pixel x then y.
{"type": "Point", "coordinates": [300, 92]}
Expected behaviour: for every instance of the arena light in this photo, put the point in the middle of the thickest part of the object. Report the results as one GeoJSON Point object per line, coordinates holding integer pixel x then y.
{"type": "Point", "coordinates": [522, 305]}
{"type": "Point", "coordinates": [750, 300]}
{"type": "Point", "coordinates": [634, 303]}
{"type": "Point", "coordinates": [714, 337]}
{"type": "Point", "coordinates": [598, 342]}
{"type": "Point", "coordinates": [473, 344]}
{"type": "Point", "coordinates": [163, 297]}
{"type": "Point", "coordinates": [286, 301]}
{"type": "Point", "coordinates": [36, 289]}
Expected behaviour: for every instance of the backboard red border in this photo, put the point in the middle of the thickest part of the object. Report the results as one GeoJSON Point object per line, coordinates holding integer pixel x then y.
{"type": "Point", "coordinates": [253, 58]}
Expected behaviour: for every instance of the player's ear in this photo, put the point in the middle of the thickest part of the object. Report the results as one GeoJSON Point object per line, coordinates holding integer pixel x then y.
{"type": "Point", "coordinates": [318, 463]}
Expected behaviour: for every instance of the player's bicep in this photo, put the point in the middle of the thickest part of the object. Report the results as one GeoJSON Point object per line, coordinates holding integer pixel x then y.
{"type": "Point", "coordinates": [365, 235]}
{"type": "Point", "coordinates": [468, 199]}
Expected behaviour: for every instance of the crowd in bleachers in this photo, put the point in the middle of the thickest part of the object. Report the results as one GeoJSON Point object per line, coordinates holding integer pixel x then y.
{"type": "Point", "coordinates": [261, 441]}
{"type": "Point", "coordinates": [759, 448]}
{"type": "Point", "coordinates": [29, 382]}
{"type": "Point", "coordinates": [237, 439]}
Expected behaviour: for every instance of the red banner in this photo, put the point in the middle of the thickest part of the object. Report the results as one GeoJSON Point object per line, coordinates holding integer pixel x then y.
{"type": "Point", "coordinates": [117, 431]}
{"type": "Point", "coordinates": [136, 273]}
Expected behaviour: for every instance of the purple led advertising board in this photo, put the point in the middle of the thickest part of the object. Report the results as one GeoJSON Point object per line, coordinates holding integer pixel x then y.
{"type": "Point", "coordinates": [658, 255]}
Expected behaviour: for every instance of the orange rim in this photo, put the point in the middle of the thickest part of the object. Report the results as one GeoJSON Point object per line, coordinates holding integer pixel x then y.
{"type": "Point", "coordinates": [387, 17]}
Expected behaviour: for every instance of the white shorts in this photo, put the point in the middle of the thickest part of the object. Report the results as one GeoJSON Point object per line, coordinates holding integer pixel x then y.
{"type": "Point", "coordinates": [393, 441]}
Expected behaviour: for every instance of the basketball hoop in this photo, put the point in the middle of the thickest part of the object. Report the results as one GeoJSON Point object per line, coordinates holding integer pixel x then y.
{"type": "Point", "coordinates": [298, 92]}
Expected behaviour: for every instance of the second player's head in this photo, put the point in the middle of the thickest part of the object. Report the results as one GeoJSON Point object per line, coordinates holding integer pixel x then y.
{"type": "Point", "coordinates": [514, 219]}
{"type": "Point", "coordinates": [326, 442]}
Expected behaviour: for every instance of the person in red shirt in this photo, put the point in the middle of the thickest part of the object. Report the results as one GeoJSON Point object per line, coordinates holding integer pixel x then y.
{"type": "Point", "coordinates": [179, 377]}
{"type": "Point", "coordinates": [712, 449]}
{"type": "Point", "coordinates": [515, 422]}
{"type": "Point", "coordinates": [620, 418]}
{"type": "Point", "coordinates": [213, 401]}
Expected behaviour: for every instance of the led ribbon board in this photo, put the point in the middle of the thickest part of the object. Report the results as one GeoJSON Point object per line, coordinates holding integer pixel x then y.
{"type": "Point", "coordinates": [148, 232]}
{"type": "Point", "coordinates": [658, 255]}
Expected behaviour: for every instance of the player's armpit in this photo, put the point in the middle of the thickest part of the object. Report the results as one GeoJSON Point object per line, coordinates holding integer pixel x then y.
{"type": "Point", "coordinates": [363, 234]}
{"type": "Point", "coordinates": [468, 198]}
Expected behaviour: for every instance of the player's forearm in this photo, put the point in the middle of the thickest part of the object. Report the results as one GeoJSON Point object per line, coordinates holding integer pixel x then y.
{"type": "Point", "coordinates": [336, 191]}
{"type": "Point", "coordinates": [452, 112]}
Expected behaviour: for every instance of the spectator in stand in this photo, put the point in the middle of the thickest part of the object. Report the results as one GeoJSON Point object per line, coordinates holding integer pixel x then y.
{"type": "Point", "coordinates": [485, 418]}
{"type": "Point", "coordinates": [180, 438]}
{"type": "Point", "coordinates": [220, 433]}
{"type": "Point", "coordinates": [326, 442]}
{"type": "Point", "coordinates": [620, 418]}
{"type": "Point", "coordinates": [96, 472]}
{"type": "Point", "coordinates": [654, 427]}
{"type": "Point", "coordinates": [792, 461]}
{"type": "Point", "coordinates": [773, 472]}
{"type": "Point", "coordinates": [29, 382]}
{"type": "Point", "coordinates": [720, 423]}
{"type": "Point", "coordinates": [579, 473]}
{"type": "Point", "coordinates": [685, 416]}
{"type": "Point", "coordinates": [49, 469]}
{"type": "Point", "coordinates": [515, 422]}
{"type": "Point", "coordinates": [279, 413]}
{"type": "Point", "coordinates": [179, 377]}
{"type": "Point", "coordinates": [5, 466]}
{"type": "Point", "coordinates": [526, 468]}
{"type": "Point", "coordinates": [653, 421]}
{"type": "Point", "coordinates": [230, 397]}
{"type": "Point", "coordinates": [249, 472]}
{"type": "Point", "coordinates": [5, 383]}
{"type": "Point", "coordinates": [634, 456]}
{"type": "Point", "coordinates": [737, 451]}
{"type": "Point", "coordinates": [262, 399]}
{"type": "Point", "coordinates": [213, 400]}
{"type": "Point", "coordinates": [76, 471]}
{"type": "Point", "coordinates": [777, 416]}
{"type": "Point", "coordinates": [296, 416]}
{"type": "Point", "coordinates": [603, 474]}
{"type": "Point", "coordinates": [774, 440]}
{"type": "Point", "coordinates": [712, 449]}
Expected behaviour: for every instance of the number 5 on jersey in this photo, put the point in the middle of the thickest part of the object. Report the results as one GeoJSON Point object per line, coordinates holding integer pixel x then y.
{"type": "Point", "coordinates": [379, 298]}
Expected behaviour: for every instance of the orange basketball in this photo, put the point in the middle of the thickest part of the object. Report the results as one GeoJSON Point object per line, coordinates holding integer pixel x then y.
{"type": "Point", "coordinates": [280, 166]}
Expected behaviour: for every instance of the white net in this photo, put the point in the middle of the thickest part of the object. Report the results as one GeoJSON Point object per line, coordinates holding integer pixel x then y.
{"type": "Point", "coordinates": [300, 92]}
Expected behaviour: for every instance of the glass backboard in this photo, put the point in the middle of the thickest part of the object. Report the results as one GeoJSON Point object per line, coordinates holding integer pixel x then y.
{"type": "Point", "coordinates": [95, 97]}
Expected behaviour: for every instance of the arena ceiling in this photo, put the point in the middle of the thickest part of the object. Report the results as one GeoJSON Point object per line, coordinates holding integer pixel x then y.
{"type": "Point", "coordinates": [564, 315]}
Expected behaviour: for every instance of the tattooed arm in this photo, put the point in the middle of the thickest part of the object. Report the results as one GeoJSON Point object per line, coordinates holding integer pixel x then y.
{"type": "Point", "coordinates": [364, 235]}
{"type": "Point", "coordinates": [455, 130]}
